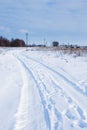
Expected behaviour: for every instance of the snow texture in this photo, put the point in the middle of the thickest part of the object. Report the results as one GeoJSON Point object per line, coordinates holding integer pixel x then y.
{"type": "Point", "coordinates": [42, 90]}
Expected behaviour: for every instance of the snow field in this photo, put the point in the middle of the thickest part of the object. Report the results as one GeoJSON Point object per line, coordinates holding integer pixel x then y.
{"type": "Point", "coordinates": [43, 90]}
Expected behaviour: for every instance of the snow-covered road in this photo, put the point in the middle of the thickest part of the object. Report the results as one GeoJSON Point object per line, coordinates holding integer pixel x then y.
{"type": "Point", "coordinates": [42, 90]}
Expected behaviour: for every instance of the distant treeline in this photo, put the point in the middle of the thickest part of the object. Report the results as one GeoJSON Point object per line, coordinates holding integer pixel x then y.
{"type": "Point", "coordinates": [4, 42]}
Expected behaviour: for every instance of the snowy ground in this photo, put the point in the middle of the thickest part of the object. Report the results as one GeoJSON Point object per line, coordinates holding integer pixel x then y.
{"type": "Point", "coordinates": [42, 90]}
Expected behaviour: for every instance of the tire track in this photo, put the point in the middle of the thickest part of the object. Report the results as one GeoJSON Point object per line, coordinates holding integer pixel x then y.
{"type": "Point", "coordinates": [25, 116]}
{"type": "Point", "coordinates": [52, 116]}
{"type": "Point", "coordinates": [57, 74]}
{"type": "Point", "coordinates": [70, 82]}
{"type": "Point", "coordinates": [22, 112]}
{"type": "Point", "coordinates": [79, 110]}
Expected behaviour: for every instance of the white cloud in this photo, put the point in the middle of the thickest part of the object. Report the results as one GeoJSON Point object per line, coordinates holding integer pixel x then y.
{"type": "Point", "coordinates": [44, 16]}
{"type": "Point", "coordinates": [23, 31]}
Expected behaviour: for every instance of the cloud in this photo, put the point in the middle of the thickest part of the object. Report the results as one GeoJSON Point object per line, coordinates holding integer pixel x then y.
{"type": "Point", "coordinates": [51, 18]}
{"type": "Point", "coordinates": [23, 31]}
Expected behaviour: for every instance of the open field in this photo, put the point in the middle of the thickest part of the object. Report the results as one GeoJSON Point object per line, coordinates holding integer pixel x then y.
{"type": "Point", "coordinates": [43, 89]}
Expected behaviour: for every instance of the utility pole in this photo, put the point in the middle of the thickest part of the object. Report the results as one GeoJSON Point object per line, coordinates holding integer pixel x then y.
{"type": "Point", "coordinates": [45, 42]}
{"type": "Point", "coordinates": [26, 38]}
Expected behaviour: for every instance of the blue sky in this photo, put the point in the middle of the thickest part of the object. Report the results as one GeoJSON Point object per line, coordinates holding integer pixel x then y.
{"type": "Point", "coordinates": [61, 20]}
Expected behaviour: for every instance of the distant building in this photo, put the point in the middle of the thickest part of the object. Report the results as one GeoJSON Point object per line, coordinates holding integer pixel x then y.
{"type": "Point", "coordinates": [55, 43]}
